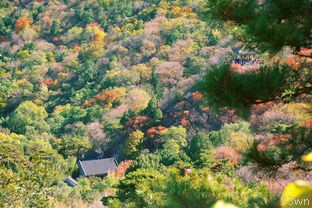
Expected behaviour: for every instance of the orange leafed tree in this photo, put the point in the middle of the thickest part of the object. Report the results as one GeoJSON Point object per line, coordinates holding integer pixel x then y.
{"type": "Point", "coordinates": [155, 131]}
{"type": "Point", "coordinates": [122, 167]}
{"type": "Point", "coordinates": [106, 97]}
{"type": "Point", "coordinates": [22, 23]}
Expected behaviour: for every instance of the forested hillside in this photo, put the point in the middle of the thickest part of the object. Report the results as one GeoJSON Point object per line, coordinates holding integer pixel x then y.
{"type": "Point", "coordinates": [203, 103]}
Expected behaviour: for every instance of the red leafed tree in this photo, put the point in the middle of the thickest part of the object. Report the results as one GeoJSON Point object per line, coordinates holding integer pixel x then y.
{"type": "Point", "coordinates": [138, 123]}
{"type": "Point", "coordinates": [154, 131]}
{"type": "Point", "coordinates": [224, 152]}
{"type": "Point", "coordinates": [197, 96]}
{"type": "Point", "coordinates": [307, 123]}
{"type": "Point", "coordinates": [305, 52]}
{"type": "Point", "coordinates": [122, 167]}
{"type": "Point", "coordinates": [47, 81]}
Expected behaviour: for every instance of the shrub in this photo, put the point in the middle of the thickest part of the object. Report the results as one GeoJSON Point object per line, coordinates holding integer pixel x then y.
{"type": "Point", "coordinates": [240, 141]}
{"type": "Point", "coordinates": [198, 145]}
{"type": "Point", "coordinates": [269, 120]}
{"type": "Point", "coordinates": [287, 143]}
{"type": "Point", "coordinates": [144, 72]}
{"type": "Point", "coordinates": [138, 123]}
{"type": "Point", "coordinates": [172, 153]}
{"type": "Point", "coordinates": [227, 131]}
{"type": "Point", "coordinates": [301, 111]}
{"type": "Point", "coordinates": [203, 189]}
{"type": "Point", "coordinates": [153, 111]}
{"type": "Point", "coordinates": [141, 188]}
{"type": "Point", "coordinates": [226, 153]}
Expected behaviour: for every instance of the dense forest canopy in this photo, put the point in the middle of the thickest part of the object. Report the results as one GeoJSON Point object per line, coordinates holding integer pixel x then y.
{"type": "Point", "coordinates": [203, 103]}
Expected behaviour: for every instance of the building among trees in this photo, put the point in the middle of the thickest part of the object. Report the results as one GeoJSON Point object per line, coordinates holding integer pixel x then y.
{"type": "Point", "coordinates": [70, 181]}
{"type": "Point", "coordinates": [100, 167]}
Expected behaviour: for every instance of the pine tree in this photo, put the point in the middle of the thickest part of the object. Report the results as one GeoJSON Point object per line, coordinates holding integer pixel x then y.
{"type": "Point", "coordinates": [272, 24]}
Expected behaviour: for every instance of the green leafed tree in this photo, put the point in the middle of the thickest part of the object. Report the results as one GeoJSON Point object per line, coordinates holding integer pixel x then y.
{"type": "Point", "coordinates": [134, 142]}
{"type": "Point", "coordinates": [72, 145]}
{"type": "Point", "coordinates": [178, 134]}
{"type": "Point", "coordinates": [199, 144]}
{"type": "Point", "coordinates": [224, 87]}
{"type": "Point", "coordinates": [29, 117]}
{"type": "Point", "coordinates": [142, 188]}
{"type": "Point", "coordinates": [28, 168]}
{"type": "Point", "coordinates": [2, 102]}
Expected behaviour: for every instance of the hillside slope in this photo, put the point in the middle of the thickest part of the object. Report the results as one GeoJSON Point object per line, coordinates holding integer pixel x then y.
{"type": "Point", "coordinates": [152, 84]}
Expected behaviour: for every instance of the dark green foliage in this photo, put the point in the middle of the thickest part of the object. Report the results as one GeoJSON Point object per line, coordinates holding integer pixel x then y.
{"type": "Point", "coordinates": [174, 35]}
{"type": "Point", "coordinates": [5, 26]}
{"type": "Point", "coordinates": [147, 14]}
{"type": "Point", "coordinates": [157, 86]}
{"type": "Point", "coordinates": [37, 10]}
{"type": "Point", "coordinates": [73, 145]}
{"type": "Point", "coordinates": [199, 144]}
{"type": "Point", "coordinates": [148, 180]}
{"type": "Point", "coordinates": [232, 10]}
{"type": "Point", "coordinates": [147, 161]}
{"type": "Point", "coordinates": [272, 24]}
{"type": "Point", "coordinates": [84, 14]}
{"type": "Point", "coordinates": [224, 87]}
{"type": "Point", "coordinates": [29, 46]}
{"type": "Point", "coordinates": [94, 113]}
{"type": "Point", "coordinates": [150, 109]}
{"type": "Point", "coordinates": [192, 67]}
{"type": "Point", "coordinates": [127, 116]}
{"type": "Point", "coordinates": [171, 153]}
{"type": "Point", "coordinates": [179, 95]}
{"type": "Point", "coordinates": [153, 111]}
{"type": "Point", "coordinates": [56, 26]}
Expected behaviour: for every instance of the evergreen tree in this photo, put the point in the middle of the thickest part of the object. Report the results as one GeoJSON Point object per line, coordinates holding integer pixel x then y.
{"type": "Point", "coordinates": [272, 23]}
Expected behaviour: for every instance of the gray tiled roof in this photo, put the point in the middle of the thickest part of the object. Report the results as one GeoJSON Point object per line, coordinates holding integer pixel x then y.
{"type": "Point", "coordinates": [70, 181]}
{"type": "Point", "coordinates": [97, 167]}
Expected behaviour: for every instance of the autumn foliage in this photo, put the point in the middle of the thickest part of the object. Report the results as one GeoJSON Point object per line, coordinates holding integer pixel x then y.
{"type": "Point", "coordinates": [122, 167]}
{"type": "Point", "coordinates": [22, 23]}
{"type": "Point", "coordinates": [227, 153]}
{"type": "Point", "coordinates": [154, 131]}
{"type": "Point", "coordinates": [107, 97]}
{"type": "Point", "coordinates": [138, 123]}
